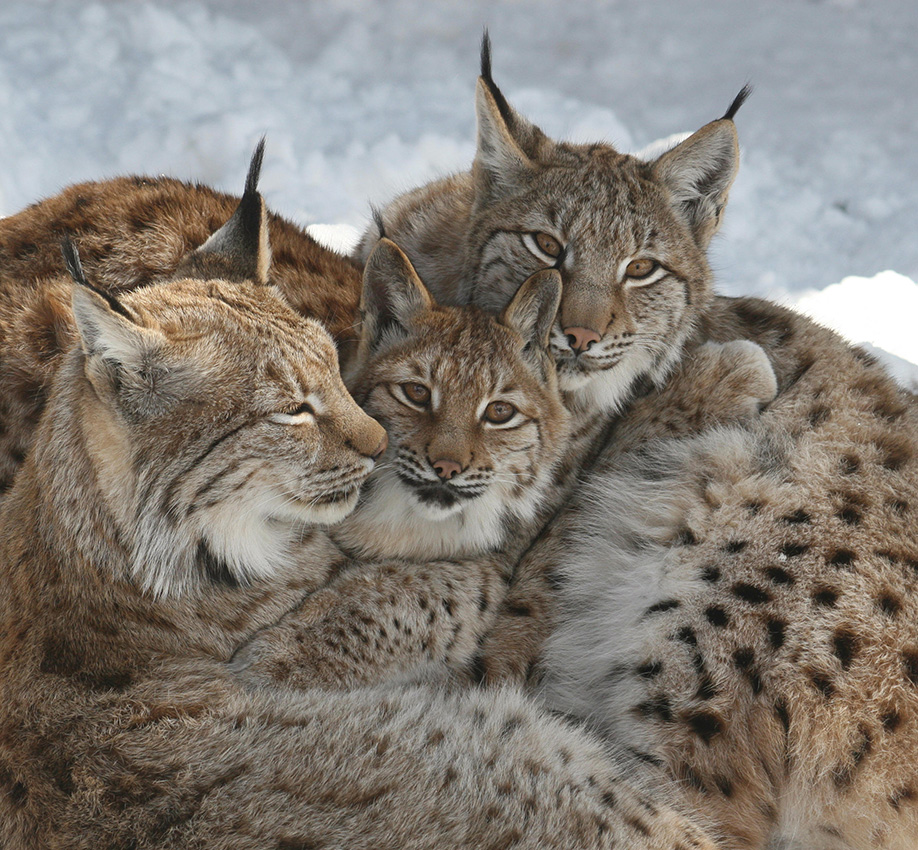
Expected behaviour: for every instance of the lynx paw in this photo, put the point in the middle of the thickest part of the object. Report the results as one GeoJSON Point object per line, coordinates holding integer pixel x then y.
{"type": "Point", "coordinates": [739, 377]}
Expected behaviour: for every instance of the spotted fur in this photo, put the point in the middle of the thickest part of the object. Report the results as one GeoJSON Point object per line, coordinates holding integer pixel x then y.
{"type": "Point", "coordinates": [737, 606]}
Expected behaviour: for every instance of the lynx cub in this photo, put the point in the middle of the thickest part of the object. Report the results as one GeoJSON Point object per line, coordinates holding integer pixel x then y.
{"type": "Point", "coordinates": [472, 408]}
{"type": "Point", "coordinates": [186, 413]}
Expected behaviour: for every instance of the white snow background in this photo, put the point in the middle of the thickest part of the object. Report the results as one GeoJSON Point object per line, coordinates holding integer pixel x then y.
{"type": "Point", "coordinates": [361, 99]}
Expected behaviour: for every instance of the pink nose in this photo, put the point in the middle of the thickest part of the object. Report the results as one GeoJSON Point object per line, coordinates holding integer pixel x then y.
{"type": "Point", "coordinates": [581, 339]}
{"type": "Point", "coordinates": [446, 469]}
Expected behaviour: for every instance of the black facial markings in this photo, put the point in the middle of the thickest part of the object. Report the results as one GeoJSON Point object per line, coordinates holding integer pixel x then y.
{"type": "Point", "coordinates": [178, 478]}
{"type": "Point", "coordinates": [214, 569]}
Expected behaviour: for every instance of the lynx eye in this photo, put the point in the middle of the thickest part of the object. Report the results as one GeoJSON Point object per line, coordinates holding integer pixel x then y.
{"type": "Point", "coordinates": [544, 246]}
{"type": "Point", "coordinates": [548, 244]}
{"type": "Point", "coordinates": [639, 269]}
{"type": "Point", "coordinates": [298, 415]}
{"type": "Point", "coordinates": [499, 412]}
{"type": "Point", "coordinates": [416, 393]}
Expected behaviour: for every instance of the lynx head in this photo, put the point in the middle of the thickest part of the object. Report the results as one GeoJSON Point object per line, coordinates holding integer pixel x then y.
{"type": "Point", "coordinates": [217, 422]}
{"type": "Point", "coordinates": [629, 238]}
{"type": "Point", "coordinates": [471, 406]}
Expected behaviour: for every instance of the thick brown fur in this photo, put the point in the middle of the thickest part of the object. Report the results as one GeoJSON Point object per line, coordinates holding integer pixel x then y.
{"type": "Point", "coordinates": [131, 232]}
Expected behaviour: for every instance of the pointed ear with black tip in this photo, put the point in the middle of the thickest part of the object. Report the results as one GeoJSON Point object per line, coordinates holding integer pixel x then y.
{"type": "Point", "coordinates": [533, 311]}
{"type": "Point", "coordinates": [393, 294]}
{"type": "Point", "coordinates": [108, 331]}
{"type": "Point", "coordinates": [700, 171]}
{"type": "Point", "coordinates": [508, 144]}
{"type": "Point", "coordinates": [240, 250]}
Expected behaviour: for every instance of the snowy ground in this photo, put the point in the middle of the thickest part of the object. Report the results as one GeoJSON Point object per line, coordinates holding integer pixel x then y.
{"type": "Point", "coordinates": [363, 98]}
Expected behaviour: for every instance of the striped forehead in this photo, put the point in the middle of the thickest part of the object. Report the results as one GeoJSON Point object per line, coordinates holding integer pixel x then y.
{"type": "Point", "coordinates": [474, 354]}
{"type": "Point", "coordinates": [616, 214]}
{"type": "Point", "coordinates": [244, 323]}
{"type": "Point", "coordinates": [298, 357]}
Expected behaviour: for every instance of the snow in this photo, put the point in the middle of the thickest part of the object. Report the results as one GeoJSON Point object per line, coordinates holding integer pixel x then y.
{"type": "Point", "coordinates": [878, 312]}
{"type": "Point", "coordinates": [361, 99]}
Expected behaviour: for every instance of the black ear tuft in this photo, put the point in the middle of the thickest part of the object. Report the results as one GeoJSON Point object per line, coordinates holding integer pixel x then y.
{"type": "Point", "coordinates": [251, 179]}
{"type": "Point", "coordinates": [240, 250]}
{"type": "Point", "coordinates": [486, 56]}
{"type": "Point", "coordinates": [503, 107]}
{"type": "Point", "coordinates": [376, 212]}
{"type": "Point", "coordinates": [738, 101]}
{"type": "Point", "coordinates": [75, 268]}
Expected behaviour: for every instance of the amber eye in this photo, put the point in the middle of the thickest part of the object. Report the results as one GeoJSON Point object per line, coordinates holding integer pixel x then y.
{"type": "Point", "coordinates": [548, 244]}
{"type": "Point", "coordinates": [638, 269]}
{"type": "Point", "coordinates": [499, 412]}
{"type": "Point", "coordinates": [417, 393]}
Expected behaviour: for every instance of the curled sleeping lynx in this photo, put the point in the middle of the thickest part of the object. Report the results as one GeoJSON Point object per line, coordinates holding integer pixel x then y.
{"type": "Point", "coordinates": [184, 410]}
{"type": "Point", "coordinates": [736, 609]}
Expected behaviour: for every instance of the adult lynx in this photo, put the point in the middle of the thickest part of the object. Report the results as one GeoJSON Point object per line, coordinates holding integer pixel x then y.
{"type": "Point", "coordinates": [132, 232]}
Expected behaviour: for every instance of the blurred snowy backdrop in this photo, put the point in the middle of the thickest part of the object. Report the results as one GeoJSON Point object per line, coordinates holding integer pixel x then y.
{"type": "Point", "coordinates": [363, 98]}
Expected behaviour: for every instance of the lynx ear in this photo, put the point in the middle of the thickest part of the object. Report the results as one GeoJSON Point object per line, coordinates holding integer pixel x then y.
{"type": "Point", "coordinates": [533, 310]}
{"type": "Point", "coordinates": [240, 250]}
{"type": "Point", "coordinates": [508, 144]}
{"type": "Point", "coordinates": [699, 172]}
{"type": "Point", "coordinates": [106, 327]}
{"type": "Point", "coordinates": [393, 294]}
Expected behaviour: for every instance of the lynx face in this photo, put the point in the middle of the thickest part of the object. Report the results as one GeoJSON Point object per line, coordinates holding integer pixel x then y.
{"type": "Point", "coordinates": [471, 406]}
{"type": "Point", "coordinates": [219, 426]}
{"type": "Point", "coordinates": [240, 430]}
{"type": "Point", "coordinates": [633, 277]}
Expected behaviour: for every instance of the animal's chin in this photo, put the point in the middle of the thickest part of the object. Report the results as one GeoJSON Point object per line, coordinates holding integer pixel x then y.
{"type": "Point", "coordinates": [571, 377]}
{"type": "Point", "coordinates": [435, 501]}
{"type": "Point", "coordinates": [329, 508]}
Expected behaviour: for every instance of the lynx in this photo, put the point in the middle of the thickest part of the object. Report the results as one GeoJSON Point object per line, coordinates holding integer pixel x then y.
{"type": "Point", "coordinates": [132, 231]}
{"type": "Point", "coordinates": [196, 430]}
{"type": "Point", "coordinates": [628, 237]}
{"type": "Point", "coordinates": [472, 409]}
